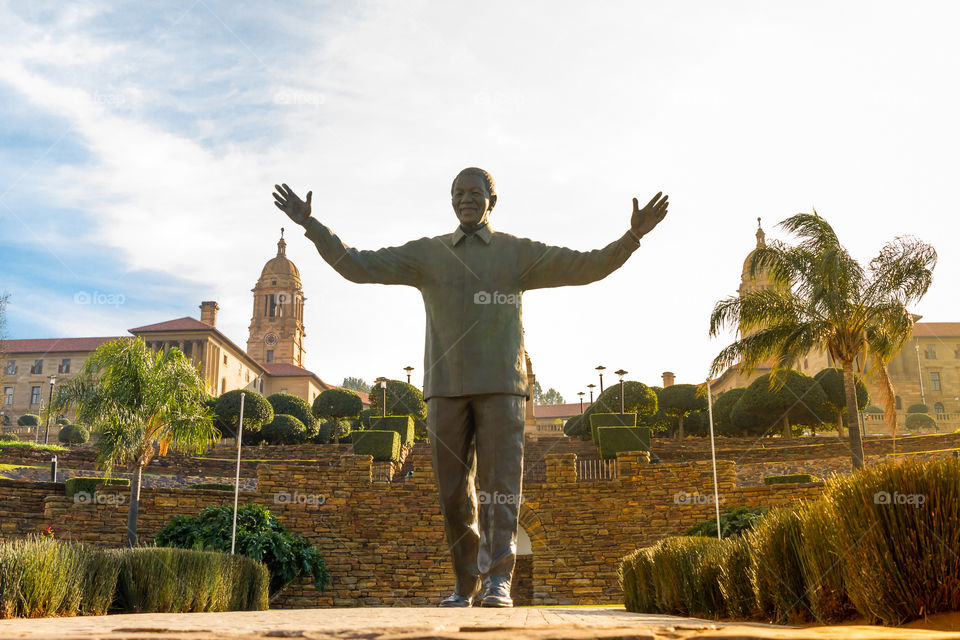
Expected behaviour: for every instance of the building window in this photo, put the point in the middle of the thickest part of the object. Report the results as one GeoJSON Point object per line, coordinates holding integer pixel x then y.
{"type": "Point", "coordinates": [931, 352]}
{"type": "Point", "coordinates": [270, 308]}
{"type": "Point", "coordinates": [224, 358]}
{"type": "Point", "coordinates": [935, 380]}
{"type": "Point", "coordinates": [188, 348]}
{"type": "Point", "coordinates": [223, 386]}
{"type": "Point", "coordinates": [7, 396]}
{"type": "Point", "coordinates": [248, 376]}
{"type": "Point", "coordinates": [269, 355]}
{"type": "Point", "coordinates": [899, 403]}
{"type": "Point", "coordinates": [283, 390]}
{"type": "Point", "coordinates": [938, 408]}
{"type": "Point", "coordinates": [957, 352]}
{"type": "Point", "coordinates": [64, 366]}
{"type": "Point", "coordinates": [11, 367]}
{"type": "Point", "coordinates": [35, 395]}
{"type": "Point", "coordinates": [37, 366]}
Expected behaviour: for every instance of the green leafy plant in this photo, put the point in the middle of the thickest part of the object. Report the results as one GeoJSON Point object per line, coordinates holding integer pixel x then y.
{"type": "Point", "coordinates": [257, 411]}
{"type": "Point", "coordinates": [283, 429]}
{"type": "Point", "coordinates": [260, 536]}
{"type": "Point", "coordinates": [73, 434]}
{"type": "Point", "coordinates": [28, 420]}
{"type": "Point", "coordinates": [679, 401]}
{"type": "Point", "coordinates": [733, 522]}
{"type": "Point", "coordinates": [334, 406]}
{"type": "Point", "coordinates": [402, 400]}
{"type": "Point", "coordinates": [917, 421]}
{"type": "Point", "coordinates": [831, 381]}
{"type": "Point", "coordinates": [291, 405]}
{"type": "Point", "coordinates": [918, 407]}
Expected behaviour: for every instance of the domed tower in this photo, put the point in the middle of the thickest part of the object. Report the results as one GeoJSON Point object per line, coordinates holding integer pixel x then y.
{"type": "Point", "coordinates": [276, 328]}
{"type": "Point", "coordinates": [762, 279]}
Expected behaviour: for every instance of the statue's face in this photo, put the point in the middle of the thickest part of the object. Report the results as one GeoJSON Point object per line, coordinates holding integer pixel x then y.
{"type": "Point", "coordinates": [471, 200]}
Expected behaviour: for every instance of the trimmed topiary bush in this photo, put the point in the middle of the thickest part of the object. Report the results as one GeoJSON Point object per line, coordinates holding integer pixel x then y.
{"type": "Point", "coordinates": [402, 400]}
{"type": "Point", "coordinates": [28, 420]}
{"type": "Point", "coordinates": [382, 445]}
{"type": "Point", "coordinates": [256, 411]}
{"type": "Point", "coordinates": [9, 437]}
{"type": "Point", "coordinates": [290, 405]}
{"type": "Point", "coordinates": [332, 430]}
{"type": "Point", "coordinates": [872, 408]}
{"type": "Point", "coordinates": [791, 478]}
{"type": "Point", "coordinates": [610, 420]}
{"type": "Point", "coordinates": [613, 440]}
{"type": "Point", "coordinates": [337, 403]}
{"type": "Point", "coordinates": [73, 434]}
{"type": "Point", "coordinates": [918, 407]}
{"type": "Point", "coordinates": [283, 429]}
{"type": "Point", "coordinates": [917, 421]}
{"type": "Point", "coordinates": [88, 485]}
{"type": "Point", "coordinates": [62, 420]}
{"type": "Point", "coordinates": [680, 400]}
{"type": "Point", "coordinates": [403, 425]}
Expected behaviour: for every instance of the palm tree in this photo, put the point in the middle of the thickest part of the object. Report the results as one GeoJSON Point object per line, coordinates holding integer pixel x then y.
{"type": "Point", "coordinates": [137, 402]}
{"type": "Point", "coordinates": [824, 299]}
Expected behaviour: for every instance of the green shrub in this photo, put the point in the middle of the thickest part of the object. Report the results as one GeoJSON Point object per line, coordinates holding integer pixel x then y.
{"type": "Point", "coordinates": [735, 560]}
{"type": "Point", "coordinates": [790, 479]}
{"type": "Point", "coordinates": [638, 398]}
{"type": "Point", "coordinates": [403, 399]}
{"type": "Point", "coordinates": [213, 486]}
{"type": "Point", "coordinates": [73, 434]}
{"type": "Point", "coordinates": [822, 566]}
{"type": "Point", "coordinates": [88, 485]}
{"type": "Point", "coordinates": [382, 445]}
{"type": "Point", "coordinates": [39, 577]}
{"type": "Point", "coordinates": [732, 523]}
{"type": "Point", "coordinates": [872, 408]}
{"type": "Point", "coordinates": [616, 439]}
{"type": "Point", "coordinates": [918, 407]}
{"type": "Point", "coordinates": [337, 403]}
{"type": "Point", "coordinates": [330, 429]}
{"type": "Point", "coordinates": [403, 425]}
{"type": "Point", "coordinates": [917, 421]}
{"type": "Point", "coordinates": [28, 420]}
{"type": "Point", "coordinates": [283, 429]}
{"type": "Point", "coordinates": [610, 420]}
{"type": "Point", "coordinates": [685, 576]}
{"type": "Point", "coordinates": [260, 535]}
{"type": "Point", "coordinates": [290, 405]}
{"type": "Point", "coordinates": [256, 411]}
{"type": "Point", "coordinates": [99, 586]}
{"type": "Point", "coordinates": [62, 421]}
{"type": "Point", "coordinates": [186, 580]}
{"type": "Point", "coordinates": [8, 437]}
{"type": "Point", "coordinates": [776, 567]}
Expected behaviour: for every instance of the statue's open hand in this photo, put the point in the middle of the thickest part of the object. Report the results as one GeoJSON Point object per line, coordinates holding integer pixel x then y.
{"type": "Point", "coordinates": [291, 204]}
{"type": "Point", "coordinates": [644, 220]}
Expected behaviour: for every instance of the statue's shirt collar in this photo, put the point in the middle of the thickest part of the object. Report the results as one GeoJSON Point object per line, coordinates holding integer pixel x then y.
{"type": "Point", "coordinates": [484, 233]}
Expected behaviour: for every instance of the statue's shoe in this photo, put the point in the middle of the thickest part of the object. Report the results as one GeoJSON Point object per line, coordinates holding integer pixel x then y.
{"type": "Point", "coordinates": [497, 595]}
{"type": "Point", "coordinates": [457, 600]}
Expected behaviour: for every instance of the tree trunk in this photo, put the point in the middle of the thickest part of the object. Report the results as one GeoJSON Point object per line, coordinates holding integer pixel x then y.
{"type": "Point", "coordinates": [840, 424]}
{"type": "Point", "coordinates": [853, 424]}
{"type": "Point", "coordinates": [133, 510]}
{"type": "Point", "coordinates": [680, 427]}
{"type": "Point", "coordinates": [786, 427]}
{"type": "Point", "coordinates": [888, 394]}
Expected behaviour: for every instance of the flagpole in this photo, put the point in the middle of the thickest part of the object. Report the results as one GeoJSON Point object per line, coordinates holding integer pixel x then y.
{"type": "Point", "coordinates": [236, 484]}
{"type": "Point", "coordinates": [713, 455]}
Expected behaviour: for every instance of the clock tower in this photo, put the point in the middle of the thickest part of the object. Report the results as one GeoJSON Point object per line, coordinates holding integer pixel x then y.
{"type": "Point", "coordinates": [276, 328]}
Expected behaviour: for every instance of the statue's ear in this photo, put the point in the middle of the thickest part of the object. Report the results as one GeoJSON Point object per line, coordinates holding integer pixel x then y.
{"type": "Point", "coordinates": [493, 202]}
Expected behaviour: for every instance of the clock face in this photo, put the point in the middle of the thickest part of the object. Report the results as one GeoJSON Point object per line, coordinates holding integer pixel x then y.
{"type": "Point", "coordinates": [270, 339]}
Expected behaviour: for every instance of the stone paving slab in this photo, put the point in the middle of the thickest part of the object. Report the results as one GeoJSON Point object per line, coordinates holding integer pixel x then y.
{"type": "Point", "coordinates": [422, 623]}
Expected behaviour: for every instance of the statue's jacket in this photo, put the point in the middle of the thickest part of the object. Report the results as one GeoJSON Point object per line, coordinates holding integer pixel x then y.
{"type": "Point", "coordinates": [471, 286]}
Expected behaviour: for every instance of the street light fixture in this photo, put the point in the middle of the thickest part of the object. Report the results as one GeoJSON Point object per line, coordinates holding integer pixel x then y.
{"type": "Point", "coordinates": [46, 432]}
{"type": "Point", "coordinates": [600, 371]}
{"type": "Point", "coordinates": [621, 373]}
{"type": "Point", "coordinates": [383, 388]}
{"type": "Point", "coordinates": [408, 369]}
{"type": "Point", "coordinates": [580, 393]}
{"type": "Point", "coordinates": [591, 386]}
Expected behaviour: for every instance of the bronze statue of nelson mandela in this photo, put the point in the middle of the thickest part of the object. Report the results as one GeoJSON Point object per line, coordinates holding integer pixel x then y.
{"type": "Point", "coordinates": [475, 382]}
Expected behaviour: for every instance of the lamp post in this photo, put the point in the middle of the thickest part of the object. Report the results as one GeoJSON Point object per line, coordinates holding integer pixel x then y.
{"type": "Point", "coordinates": [621, 373]}
{"type": "Point", "coordinates": [46, 431]}
{"type": "Point", "coordinates": [383, 388]}
{"type": "Point", "coordinates": [408, 369]}
{"type": "Point", "coordinates": [580, 393]}
{"type": "Point", "coordinates": [591, 386]}
{"type": "Point", "coordinates": [923, 397]}
{"type": "Point", "coordinates": [600, 371]}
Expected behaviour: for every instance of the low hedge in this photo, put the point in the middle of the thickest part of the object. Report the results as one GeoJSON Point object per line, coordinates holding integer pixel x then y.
{"type": "Point", "coordinates": [84, 484]}
{"type": "Point", "coordinates": [917, 421]}
{"type": "Point", "coordinates": [616, 439]}
{"type": "Point", "coordinates": [791, 478]}
{"type": "Point", "coordinates": [610, 420]}
{"type": "Point", "coordinates": [403, 425]}
{"type": "Point", "coordinates": [212, 486]}
{"type": "Point", "coordinates": [879, 544]}
{"type": "Point", "coordinates": [382, 445]}
{"type": "Point", "coordinates": [9, 437]}
{"type": "Point", "coordinates": [44, 577]}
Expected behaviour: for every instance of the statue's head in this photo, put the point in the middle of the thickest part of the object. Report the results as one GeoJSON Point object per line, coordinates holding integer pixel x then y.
{"type": "Point", "coordinates": [473, 196]}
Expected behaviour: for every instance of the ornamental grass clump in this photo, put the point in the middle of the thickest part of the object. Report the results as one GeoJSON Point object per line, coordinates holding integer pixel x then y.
{"type": "Point", "coordinates": [775, 566]}
{"type": "Point", "coordinates": [822, 564]}
{"type": "Point", "coordinates": [735, 586]}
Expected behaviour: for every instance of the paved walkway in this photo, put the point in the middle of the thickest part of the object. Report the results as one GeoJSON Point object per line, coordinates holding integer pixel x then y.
{"type": "Point", "coordinates": [416, 623]}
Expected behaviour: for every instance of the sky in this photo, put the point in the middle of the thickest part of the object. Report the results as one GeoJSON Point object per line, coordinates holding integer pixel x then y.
{"type": "Point", "coordinates": [139, 145]}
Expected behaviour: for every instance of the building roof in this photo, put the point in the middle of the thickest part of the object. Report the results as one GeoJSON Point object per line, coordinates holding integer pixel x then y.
{"type": "Point", "coordinates": [55, 345]}
{"type": "Point", "coordinates": [558, 410]}
{"type": "Point", "coordinates": [185, 323]}
{"type": "Point", "coordinates": [936, 329]}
